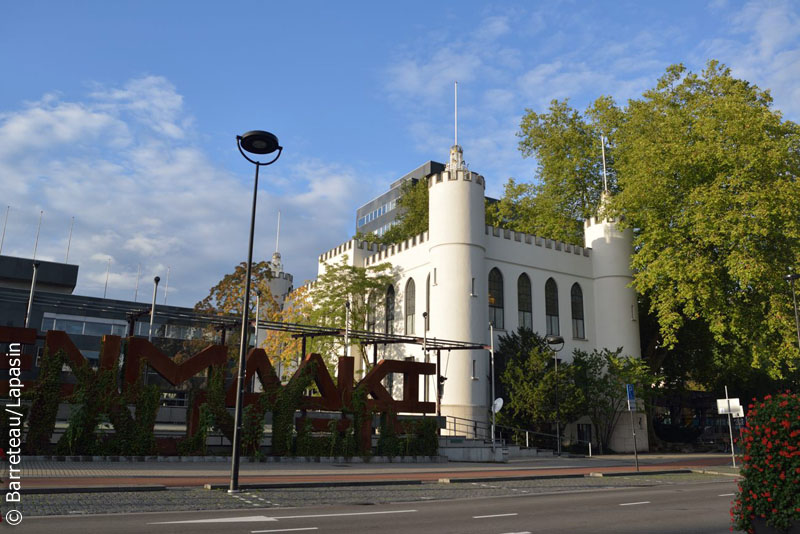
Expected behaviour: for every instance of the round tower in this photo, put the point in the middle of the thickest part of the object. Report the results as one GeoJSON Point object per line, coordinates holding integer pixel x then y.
{"type": "Point", "coordinates": [615, 309]}
{"type": "Point", "coordinates": [459, 285]}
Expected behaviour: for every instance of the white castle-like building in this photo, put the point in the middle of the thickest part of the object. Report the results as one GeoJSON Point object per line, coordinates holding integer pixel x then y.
{"type": "Point", "coordinates": [466, 274]}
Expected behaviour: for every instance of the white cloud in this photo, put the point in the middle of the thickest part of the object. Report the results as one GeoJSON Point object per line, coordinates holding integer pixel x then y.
{"type": "Point", "coordinates": [154, 201]}
{"type": "Point", "coordinates": [763, 47]}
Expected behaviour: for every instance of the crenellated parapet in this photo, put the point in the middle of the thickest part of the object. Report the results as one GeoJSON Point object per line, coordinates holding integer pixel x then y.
{"type": "Point", "coordinates": [392, 250]}
{"type": "Point", "coordinates": [353, 244]}
{"type": "Point", "coordinates": [534, 240]}
{"type": "Point", "coordinates": [463, 175]}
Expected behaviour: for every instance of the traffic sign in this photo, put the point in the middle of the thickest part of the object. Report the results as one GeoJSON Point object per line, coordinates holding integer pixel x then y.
{"type": "Point", "coordinates": [631, 397]}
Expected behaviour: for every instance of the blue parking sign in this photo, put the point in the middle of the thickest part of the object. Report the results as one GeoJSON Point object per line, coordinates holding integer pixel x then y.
{"type": "Point", "coordinates": [631, 397]}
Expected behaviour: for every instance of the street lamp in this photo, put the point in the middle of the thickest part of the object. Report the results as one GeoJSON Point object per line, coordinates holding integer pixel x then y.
{"type": "Point", "coordinates": [260, 143]}
{"type": "Point", "coordinates": [791, 277]}
{"type": "Point", "coordinates": [553, 342]}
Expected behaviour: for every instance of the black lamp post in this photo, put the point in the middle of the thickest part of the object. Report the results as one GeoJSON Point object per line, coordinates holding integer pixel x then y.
{"type": "Point", "coordinates": [254, 142]}
{"type": "Point", "coordinates": [791, 278]}
{"type": "Point", "coordinates": [553, 342]}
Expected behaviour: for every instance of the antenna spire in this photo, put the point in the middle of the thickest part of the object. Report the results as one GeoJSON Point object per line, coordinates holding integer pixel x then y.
{"type": "Point", "coordinates": [2, 239]}
{"type": "Point", "coordinates": [456, 111]}
{"type": "Point", "coordinates": [605, 179]}
{"type": "Point", "coordinates": [278, 236]}
{"type": "Point", "coordinates": [38, 228]}
{"type": "Point", "coordinates": [69, 240]}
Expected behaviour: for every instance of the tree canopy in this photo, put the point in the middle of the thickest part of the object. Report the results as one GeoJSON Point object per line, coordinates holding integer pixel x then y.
{"type": "Point", "coordinates": [365, 289]}
{"type": "Point", "coordinates": [705, 172]}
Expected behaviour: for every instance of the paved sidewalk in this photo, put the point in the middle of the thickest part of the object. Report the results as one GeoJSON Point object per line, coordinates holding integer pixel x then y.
{"type": "Point", "coordinates": [71, 476]}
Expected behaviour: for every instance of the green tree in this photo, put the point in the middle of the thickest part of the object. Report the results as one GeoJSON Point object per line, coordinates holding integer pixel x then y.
{"type": "Point", "coordinates": [707, 173]}
{"type": "Point", "coordinates": [529, 380]}
{"type": "Point", "coordinates": [364, 287]}
{"type": "Point", "coordinates": [413, 214]}
{"type": "Point", "coordinates": [227, 296]}
{"type": "Point", "coordinates": [569, 174]}
{"type": "Point", "coordinates": [602, 376]}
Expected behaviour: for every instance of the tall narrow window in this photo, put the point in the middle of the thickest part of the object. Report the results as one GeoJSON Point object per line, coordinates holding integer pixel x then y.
{"type": "Point", "coordinates": [389, 309]}
{"type": "Point", "coordinates": [576, 296]}
{"type": "Point", "coordinates": [551, 307]}
{"type": "Point", "coordinates": [371, 312]}
{"type": "Point", "coordinates": [525, 301]}
{"type": "Point", "coordinates": [496, 298]}
{"type": "Point", "coordinates": [410, 300]}
{"type": "Point", "coordinates": [428, 302]}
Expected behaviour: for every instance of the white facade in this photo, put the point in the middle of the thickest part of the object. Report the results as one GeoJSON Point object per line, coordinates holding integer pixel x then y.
{"type": "Point", "coordinates": [450, 267]}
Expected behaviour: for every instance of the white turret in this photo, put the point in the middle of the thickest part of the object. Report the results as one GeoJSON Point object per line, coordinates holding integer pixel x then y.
{"type": "Point", "coordinates": [615, 310]}
{"type": "Point", "coordinates": [459, 285]}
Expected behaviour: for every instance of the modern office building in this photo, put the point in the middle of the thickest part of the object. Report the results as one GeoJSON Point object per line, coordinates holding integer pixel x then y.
{"type": "Point", "coordinates": [378, 215]}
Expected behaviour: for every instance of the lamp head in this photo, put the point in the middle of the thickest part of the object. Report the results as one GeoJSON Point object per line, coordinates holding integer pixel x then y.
{"type": "Point", "coordinates": [555, 341]}
{"type": "Point", "coordinates": [259, 142]}
{"type": "Point", "coordinates": [157, 280]}
{"type": "Point", "coordinates": [791, 277]}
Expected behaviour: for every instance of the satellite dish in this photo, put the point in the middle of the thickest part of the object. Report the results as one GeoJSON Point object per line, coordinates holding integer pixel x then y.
{"type": "Point", "coordinates": [498, 403]}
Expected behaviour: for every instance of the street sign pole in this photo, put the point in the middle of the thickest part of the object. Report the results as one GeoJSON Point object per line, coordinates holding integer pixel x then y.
{"type": "Point", "coordinates": [730, 427]}
{"type": "Point", "coordinates": [631, 408]}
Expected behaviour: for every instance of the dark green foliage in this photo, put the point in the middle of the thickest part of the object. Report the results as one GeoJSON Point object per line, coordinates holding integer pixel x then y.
{"type": "Point", "coordinates": [44, 405]}
{"type": "Point", "coordinates": [253, 424]}
{"type": "Point", "coordinates": [388, 442]}
{"type": "Point", "coordinates": [197, 443]}
{"type": "Point", "coordinates": [215, 403]}
{"type": "Point", "coordinates": [601, 376]}
{"type": "Point", "coordinates": [287, 403]}
{"type": "Point", "coordinates": [529, 380]}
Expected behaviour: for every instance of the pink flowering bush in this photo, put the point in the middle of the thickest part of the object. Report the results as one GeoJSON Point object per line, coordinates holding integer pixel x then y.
{"type": "Point", "coordinates": [770, 487]}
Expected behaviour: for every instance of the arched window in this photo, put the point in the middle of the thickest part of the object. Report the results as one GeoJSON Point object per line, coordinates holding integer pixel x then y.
{"type": "Point", "coordinates": [551, 307]}
{"type": "Point", "coordinates": [371, 312]}
{"type": "Point", "coordinates": [576, 295]}
{"type": "Point", "coordinates": [389, 309]}
{"type": "Point", "coordinates": [496, 298]}
{"type": "Point", "coordinates": [411, 295]}
{"type": "Point", "coordinates": [525, 301]}
{"type": "Point", "coordinates": [428, 302]}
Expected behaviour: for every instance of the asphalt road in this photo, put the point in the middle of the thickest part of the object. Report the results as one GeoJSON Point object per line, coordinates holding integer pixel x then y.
{"type": "Point", "coordinates": [677, 508]}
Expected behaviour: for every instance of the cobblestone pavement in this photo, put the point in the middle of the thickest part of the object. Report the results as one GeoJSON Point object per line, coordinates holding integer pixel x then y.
{"type": "Point", "coordinates": [198, 499]}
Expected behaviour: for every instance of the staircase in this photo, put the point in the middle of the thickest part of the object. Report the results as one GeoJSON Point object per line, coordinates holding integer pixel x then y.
{"type": "Point", "coordinates": [465, 440]}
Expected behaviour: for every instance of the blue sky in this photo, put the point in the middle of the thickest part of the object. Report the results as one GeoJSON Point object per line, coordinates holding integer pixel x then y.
{"type": "Point", "coordinates": [124, 114]}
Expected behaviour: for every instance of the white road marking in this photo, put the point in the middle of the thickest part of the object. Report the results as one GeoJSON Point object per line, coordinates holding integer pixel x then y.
{"type": "Point", "coordinates": [285, 530]}
{"type": "Point", "coordinates": [343, 515]}
{"type": "Point", "coordinates": [496, 515]}
{"type": "Point", "coordinates": [634, 503]}
{"type": "Point", "coordinates": [247, 519]}
{"type": "Point", "coordinates": [526, 532]}
{"type": "Point", "coordinates": [727, 495]}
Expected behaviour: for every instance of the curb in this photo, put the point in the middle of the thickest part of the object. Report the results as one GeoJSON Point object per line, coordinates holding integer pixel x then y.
{"type": "Point", "coordinates": [331, 484]}
{"type": "Point", "coordinates": [244, 460]}
{"type": "Point", "coordinates": [363, 483]}
{"type": "Point", "coordinates": [90, 489]}
{"type": "Point", "coordinates": [710, 472]}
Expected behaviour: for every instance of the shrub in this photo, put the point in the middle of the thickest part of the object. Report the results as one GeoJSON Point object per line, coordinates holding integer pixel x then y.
{"type": "Point", "coordinates": [770, 485]}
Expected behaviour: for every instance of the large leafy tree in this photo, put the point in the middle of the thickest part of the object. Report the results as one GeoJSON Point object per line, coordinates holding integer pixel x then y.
{"type": "Point", "coordinates": [528, 380]}
{"type": "Point", "coordinates": [708, 177]}
{"type": "Point", "coordinates": [567, 148]}
{"type": "Point", "coordinates": [413, 206]}
{"type": "Point", "coordinates": [705, 172]}
{"type": "Point", "coordinates": [602, 375]}
{"type": "Point", "coordinates": [365, 289]}
{"type": "Point", "coordinates": [227, 296]}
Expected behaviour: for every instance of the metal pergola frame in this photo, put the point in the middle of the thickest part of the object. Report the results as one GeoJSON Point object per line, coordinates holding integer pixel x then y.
{"type": "Point", "coordinates": [303, 332]}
